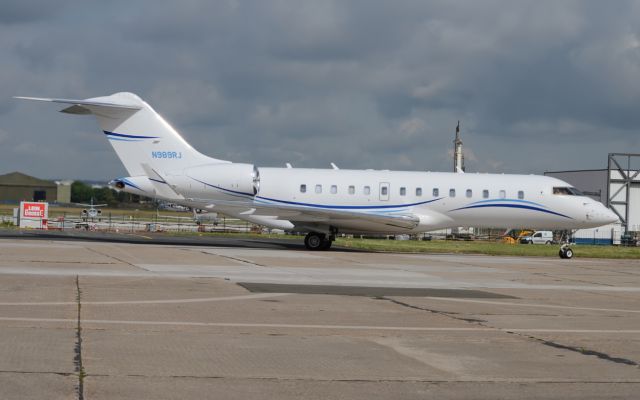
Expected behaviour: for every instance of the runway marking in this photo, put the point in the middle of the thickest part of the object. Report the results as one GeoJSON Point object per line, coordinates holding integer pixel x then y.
{"type": "Point", "coordinates": [303, 326]}
{"type": "Point", "coordinates": [507, 303]}
{"type": "Point", "coordinates": [169, 301]}
{"type": "Point", "coordinates": [267, 295]}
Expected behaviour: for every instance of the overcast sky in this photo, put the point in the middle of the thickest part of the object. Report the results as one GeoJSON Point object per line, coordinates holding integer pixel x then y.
{"type": "Point", "coordinates": [537, 85]}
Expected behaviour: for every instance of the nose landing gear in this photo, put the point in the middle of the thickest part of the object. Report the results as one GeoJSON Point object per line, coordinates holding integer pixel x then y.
{"type": "Point", "coordinates": [565, 251]}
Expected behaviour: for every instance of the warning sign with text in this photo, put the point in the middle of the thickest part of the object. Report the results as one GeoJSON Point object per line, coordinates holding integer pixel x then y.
{"type": "Point", "coordinates": [33, 210]}
{"type": "Point", "coordinates": [34, 215]}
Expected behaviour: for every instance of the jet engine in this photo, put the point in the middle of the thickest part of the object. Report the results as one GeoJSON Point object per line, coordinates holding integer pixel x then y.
{"type": "Point", "coordinates": [231, 178]}
{"type": "Point", "coordinates": [139, 185]}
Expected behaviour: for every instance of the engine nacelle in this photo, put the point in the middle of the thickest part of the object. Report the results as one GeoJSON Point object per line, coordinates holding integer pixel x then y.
{"type": "Point", "coordinates": [229, 178]}
{"type": "Point", "coordinates": [139, 185]}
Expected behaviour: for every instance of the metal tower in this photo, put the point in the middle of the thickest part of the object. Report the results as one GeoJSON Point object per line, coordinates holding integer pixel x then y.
{"type": "Point", "coordinates": [458, 156]}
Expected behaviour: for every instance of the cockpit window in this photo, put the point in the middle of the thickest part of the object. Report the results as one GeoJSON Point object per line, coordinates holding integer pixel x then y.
{"type": "Point", "coordinates": [568, 191]}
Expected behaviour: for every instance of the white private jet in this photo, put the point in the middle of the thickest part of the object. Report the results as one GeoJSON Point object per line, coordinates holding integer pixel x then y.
{"type": "Point", "coordinates": [92, 212]}
{"type": "Point", "coordinates": [323, 202]}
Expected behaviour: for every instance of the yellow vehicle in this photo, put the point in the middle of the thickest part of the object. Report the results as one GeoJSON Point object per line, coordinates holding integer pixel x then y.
{"type": "Point", "coordinates": [513, 236]}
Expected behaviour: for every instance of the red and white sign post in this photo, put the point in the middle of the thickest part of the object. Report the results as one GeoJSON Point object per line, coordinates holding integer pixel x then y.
{"type": "Point", "coordinates": [34, 215]}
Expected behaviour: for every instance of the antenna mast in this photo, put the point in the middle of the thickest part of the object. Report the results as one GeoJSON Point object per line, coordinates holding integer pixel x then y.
{"type": "Point", "coordinates": [458, 156]}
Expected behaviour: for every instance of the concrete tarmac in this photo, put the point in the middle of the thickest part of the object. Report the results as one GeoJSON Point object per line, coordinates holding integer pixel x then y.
{"type": "Point", "coordinates": [115, 320]}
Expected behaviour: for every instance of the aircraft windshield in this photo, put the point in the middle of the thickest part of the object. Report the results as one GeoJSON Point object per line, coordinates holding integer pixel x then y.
{"type": "Point", "coordinates": [569, 191]}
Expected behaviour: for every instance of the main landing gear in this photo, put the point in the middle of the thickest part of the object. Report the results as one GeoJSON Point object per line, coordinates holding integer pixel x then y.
{"type": "Point", "coordinates": [318, 241]}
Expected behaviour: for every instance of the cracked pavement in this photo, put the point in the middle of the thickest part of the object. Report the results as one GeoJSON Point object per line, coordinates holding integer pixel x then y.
{"type": "Point", "coordinates": [102, 320]}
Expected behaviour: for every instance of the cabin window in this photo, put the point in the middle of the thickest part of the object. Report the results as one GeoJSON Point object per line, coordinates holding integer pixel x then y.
{"type": "Point", "coordinates": [384, 190]}
{"type": "Point", "coordinates": [452, 193]}
{"type": "Point", "coordinates": [352, 189]}
{"type": "Point", "coordinates": [334, 189]}
{"type": "Point", "coordinates": [485, 194]}
{"type": "Point", "coordinates": [318, 189]}
{"type": "Point", "coordinates": [366, 190]}
{"type": "Point", "coordinates": [403, 191]}
{"type": "Point", "coordinates": [303, 188]}
{"type": "Point", "coordinates": [469, 193]}
{"type": "Point", "coordinates": [436, 192]}
{"type": "Point", "coordinates": [418, 192]}
{"type": "Point", "coordinates": [503, 194]}
{"type": "Point", "coordinates": [520, 194]}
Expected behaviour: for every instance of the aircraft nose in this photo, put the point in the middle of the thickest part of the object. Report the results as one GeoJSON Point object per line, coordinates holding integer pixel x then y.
{"type": "Point", "coordinates": [603, 215]}
{"type": "Point", "coordinates": [610, 216]}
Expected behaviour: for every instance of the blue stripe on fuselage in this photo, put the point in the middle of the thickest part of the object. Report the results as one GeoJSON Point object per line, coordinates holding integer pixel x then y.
{"type": "Point", "coordinates": [522, 206]}
{"type": "Point", "coordinates": [265, 200]}
{"type": "Point", "coordinates": [505, 200]}
{"type": "Point", "coordinates": [336, 207]}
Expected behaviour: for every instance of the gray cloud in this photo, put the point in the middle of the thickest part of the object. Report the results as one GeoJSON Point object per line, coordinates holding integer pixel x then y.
{"type": "Point", "coordinates": [538, 85]}
{"type": "Point", "coordinates": [26, 11]}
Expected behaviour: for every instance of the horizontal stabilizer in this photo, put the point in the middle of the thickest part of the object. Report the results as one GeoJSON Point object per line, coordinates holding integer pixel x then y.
{"type": "Point", "coordinates": [77, 104]}
{"type": "Point", "coordinates": [91, 106]}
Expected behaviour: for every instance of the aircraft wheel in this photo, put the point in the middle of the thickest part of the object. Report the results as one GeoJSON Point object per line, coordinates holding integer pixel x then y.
{"type": "Point", "coordinates": [326, 244]}
{"type": "Point", "coordinates": [566, 252]}
{"type": "Point", "coordinates": [314, 241]}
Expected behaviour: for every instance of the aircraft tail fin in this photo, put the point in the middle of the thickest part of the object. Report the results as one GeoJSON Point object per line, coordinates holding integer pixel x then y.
{"type": "Point", "coordinates": [138, 134]}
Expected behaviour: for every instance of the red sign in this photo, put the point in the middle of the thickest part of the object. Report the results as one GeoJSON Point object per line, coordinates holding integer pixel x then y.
{"type": "Point", "coordinates": [33, 210]}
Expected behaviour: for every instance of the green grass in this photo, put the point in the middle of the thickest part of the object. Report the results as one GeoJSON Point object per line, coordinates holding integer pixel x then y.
{"type": "Point", "coordinates": [7, 225]}
{"type": "Point", "coordinates": [485, 247]}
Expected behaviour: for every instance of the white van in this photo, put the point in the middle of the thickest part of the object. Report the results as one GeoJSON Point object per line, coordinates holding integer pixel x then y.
{"type": "Point", "coordinates": [538, 237]}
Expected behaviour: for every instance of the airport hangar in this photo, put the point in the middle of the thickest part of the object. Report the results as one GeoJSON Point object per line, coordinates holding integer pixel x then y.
{"type": "Point", "coordinates": [16, 187]}
{"type": "Point", "coordinates": [617, 186]}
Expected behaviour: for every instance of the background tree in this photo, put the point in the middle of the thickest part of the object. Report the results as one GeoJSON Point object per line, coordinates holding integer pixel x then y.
{"type": "Point", "coordinates": [81, 192]}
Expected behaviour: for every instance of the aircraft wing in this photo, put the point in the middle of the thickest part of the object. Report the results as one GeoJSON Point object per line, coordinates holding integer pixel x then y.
{"type": "Point", "coordinates": [301, 215]}
{"type": "Point", "coordinates": [308, 215]}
